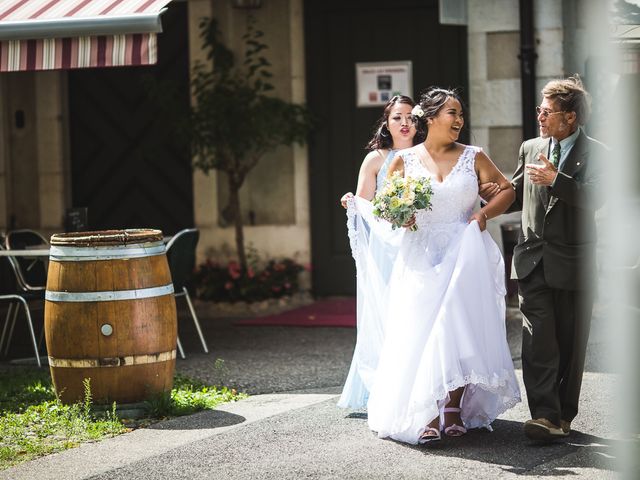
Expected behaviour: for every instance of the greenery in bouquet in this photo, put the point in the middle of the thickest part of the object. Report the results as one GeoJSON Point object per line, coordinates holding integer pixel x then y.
{"type": "Point", "coordinates": [400, 198]}
{"type": "Point", "coordinates": [228, 282]}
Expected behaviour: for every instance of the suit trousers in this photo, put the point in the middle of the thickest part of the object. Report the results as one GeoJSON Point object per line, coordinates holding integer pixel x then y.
{"type": "Point", "coordinates": [555, 332]}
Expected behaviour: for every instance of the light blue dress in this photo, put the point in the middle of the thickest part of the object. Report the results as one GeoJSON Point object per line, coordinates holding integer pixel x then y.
{"type": "Point", "coordinates": [382, 174]}
{"type": "Point", "coordinates": [383, 254]}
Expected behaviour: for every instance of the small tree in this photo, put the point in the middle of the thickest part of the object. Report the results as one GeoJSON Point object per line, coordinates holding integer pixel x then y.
{"type": "Point", "coordinates": [234, 121]}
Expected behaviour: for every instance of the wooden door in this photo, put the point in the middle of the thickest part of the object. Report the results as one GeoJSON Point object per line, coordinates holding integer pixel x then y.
{"type": "Point", "coordinates": [128, 165]}
{"type": "Point", "coordinates": [339, 34]}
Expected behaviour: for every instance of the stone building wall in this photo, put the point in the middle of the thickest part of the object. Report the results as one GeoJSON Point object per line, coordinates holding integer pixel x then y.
{"type": "Point", "coordinates": [277, 191]}
{"type": "Point", "coordinates": [275, 196]}
{"type": "Point", "coordinates": [494, 76]}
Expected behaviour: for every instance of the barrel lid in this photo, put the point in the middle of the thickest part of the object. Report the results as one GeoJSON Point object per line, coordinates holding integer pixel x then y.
{"type": "Point", "coordinates": [106, 237]}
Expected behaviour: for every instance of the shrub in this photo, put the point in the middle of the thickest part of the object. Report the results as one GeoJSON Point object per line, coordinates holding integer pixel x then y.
{"type": "Point", "coordinates": [228, 282]}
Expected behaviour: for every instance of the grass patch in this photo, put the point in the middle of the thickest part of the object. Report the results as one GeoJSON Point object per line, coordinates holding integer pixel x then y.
{"type": "Point", "coordinates": [189, 396]}
{"type": "Point", "coordinates": [34, 423]}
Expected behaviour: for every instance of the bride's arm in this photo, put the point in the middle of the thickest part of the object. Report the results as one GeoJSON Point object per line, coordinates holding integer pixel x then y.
{"type": "Point", "coordinates": [499, 203]}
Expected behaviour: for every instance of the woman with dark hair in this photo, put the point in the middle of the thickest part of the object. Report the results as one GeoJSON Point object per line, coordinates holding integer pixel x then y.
{"type": "Point", "coordinates": [394, 131]}
{"type": "Point", "coordinates": [443, 363]}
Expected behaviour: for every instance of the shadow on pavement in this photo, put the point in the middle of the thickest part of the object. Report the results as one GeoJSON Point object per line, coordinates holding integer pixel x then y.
{"type": "Point", "coordinates": [201, 420]}
{"type": "Point", "coordinates": [507, 447]}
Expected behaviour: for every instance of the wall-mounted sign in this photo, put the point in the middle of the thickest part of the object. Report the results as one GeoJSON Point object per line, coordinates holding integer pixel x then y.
{"type": "Point", "coordinates": [377, 82]}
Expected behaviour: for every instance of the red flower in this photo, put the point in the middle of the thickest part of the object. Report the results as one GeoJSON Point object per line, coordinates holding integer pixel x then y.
{"type": "Point", "coordinates": [228, 285]}
{"type": "Point", "coordinates": [234, 270]}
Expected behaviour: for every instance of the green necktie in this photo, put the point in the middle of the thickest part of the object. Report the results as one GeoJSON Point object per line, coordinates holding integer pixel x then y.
{"type": "Point", "coordinates": [555, 155]}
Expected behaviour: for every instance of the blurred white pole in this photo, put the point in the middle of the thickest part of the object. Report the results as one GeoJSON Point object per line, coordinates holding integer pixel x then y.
{"type": "Point", "coordinates": [620, 234]}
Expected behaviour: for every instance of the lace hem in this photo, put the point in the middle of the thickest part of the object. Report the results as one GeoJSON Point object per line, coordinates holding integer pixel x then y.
{"type": "Point", "coordinates": [409, 429]}
{"type": "Point", "coordinates": [497, 385]}
{"type": "Point", "coordinates": [503, 385]}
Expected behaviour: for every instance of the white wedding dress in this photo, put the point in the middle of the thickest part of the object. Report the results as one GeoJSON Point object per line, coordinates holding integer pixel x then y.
{"type": "Point", "coordinates": [431, 312]}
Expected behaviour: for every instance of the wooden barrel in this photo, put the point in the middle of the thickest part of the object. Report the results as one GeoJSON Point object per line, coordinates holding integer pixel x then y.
{"type": "Point", "coordinates": [110, 315]}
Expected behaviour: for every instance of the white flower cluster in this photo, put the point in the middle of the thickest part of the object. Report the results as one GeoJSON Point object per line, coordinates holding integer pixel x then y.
{"type": "Point", "coordinates": [417, 111]}
{"type": "Point", "coordinates": [400, 197]}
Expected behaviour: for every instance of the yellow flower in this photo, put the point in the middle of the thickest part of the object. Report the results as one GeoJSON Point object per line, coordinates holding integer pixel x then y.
{"type": "Point", "coordinates": [401, 197]}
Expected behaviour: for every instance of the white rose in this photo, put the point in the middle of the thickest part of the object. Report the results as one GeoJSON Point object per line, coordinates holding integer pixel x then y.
{"type": "Point", "coordinates": [417, 111]}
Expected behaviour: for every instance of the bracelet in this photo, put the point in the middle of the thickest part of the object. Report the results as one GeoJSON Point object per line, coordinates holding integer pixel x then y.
{"type": "Point", "coordinates": [485, 215]}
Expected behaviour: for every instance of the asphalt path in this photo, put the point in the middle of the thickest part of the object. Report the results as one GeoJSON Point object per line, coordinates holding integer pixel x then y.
{"type": "Point", "coordinates": [291, 428]}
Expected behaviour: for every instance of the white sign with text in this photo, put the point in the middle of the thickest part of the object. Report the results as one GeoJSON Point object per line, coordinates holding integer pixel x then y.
{"type": "Point", "coordinates": [377, 82]}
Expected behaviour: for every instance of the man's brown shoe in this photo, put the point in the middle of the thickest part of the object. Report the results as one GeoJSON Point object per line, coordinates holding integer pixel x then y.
{"type": "Point", "coordinates": [542, 430]}
{"type": "Point", "coordinates": [565, 426]}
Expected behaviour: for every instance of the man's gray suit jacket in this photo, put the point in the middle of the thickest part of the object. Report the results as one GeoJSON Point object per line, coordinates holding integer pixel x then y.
{"type": "Point", "coordinates": [558, 222]}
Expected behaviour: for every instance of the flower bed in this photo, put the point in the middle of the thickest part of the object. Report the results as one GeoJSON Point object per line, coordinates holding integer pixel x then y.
{"type": "Point", "coordinates": [219, 282]}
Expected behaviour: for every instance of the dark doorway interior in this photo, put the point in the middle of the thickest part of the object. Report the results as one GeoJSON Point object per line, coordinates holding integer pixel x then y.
{"type": "Point", "coordinates": [128, 166]}
{"type": "Point", "coordinates": [339, 34]}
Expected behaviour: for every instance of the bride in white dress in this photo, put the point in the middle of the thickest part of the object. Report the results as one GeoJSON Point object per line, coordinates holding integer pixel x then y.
{"type": "Point", "coordinates": [437, 360]}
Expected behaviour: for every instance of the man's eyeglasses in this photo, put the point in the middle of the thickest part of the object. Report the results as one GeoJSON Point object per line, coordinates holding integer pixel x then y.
{"type": "Point", "coordinates": [545, 112]}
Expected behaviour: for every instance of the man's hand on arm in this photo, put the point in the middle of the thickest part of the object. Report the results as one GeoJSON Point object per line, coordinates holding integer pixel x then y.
{"type": "Point", "coordinates": [488, 190]}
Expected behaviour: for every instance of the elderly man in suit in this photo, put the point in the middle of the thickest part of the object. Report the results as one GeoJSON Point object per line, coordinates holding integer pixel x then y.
{"type": "Point", "coordinates": [556, 183]}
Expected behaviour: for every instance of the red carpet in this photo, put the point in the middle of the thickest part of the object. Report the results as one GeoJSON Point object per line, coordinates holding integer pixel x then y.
{"type": "Point", "coordinates": [324, 313]}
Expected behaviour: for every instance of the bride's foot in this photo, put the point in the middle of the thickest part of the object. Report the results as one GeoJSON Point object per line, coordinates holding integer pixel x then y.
{"type": "Point", "coordinates": [431, 433]}
{"type": "Point", "coordinates": [453, 422]}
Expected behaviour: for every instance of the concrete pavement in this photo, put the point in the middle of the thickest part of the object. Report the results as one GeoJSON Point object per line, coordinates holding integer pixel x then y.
{"type": "Point", "coordinates": [291, 428]}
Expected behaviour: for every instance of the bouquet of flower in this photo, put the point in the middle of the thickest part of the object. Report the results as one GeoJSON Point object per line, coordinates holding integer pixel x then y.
{"type": "Point", "coordinates": [400, 197]}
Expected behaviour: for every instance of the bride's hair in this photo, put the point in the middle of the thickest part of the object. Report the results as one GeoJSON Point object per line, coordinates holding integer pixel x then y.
{"type": "Point", "coordinates": [381, 136]}
{"type": "Point", "coordinates": [431, 102]}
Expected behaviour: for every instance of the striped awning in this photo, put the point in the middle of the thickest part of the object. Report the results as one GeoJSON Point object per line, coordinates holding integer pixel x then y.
{"type": "Point", "coordinates": [63, 34]}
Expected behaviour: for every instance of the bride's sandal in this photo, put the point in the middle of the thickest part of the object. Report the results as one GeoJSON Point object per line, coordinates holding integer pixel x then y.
{"type": "Point", "coordinates": [454, 430]}
{"type": "Point", "coordinates": [431, 434]}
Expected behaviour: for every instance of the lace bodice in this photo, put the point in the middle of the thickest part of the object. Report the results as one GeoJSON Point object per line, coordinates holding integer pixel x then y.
{"type": "Point", "coordinates": [452, 203]}
{"type": "Point", "coordinates": [453, 199]}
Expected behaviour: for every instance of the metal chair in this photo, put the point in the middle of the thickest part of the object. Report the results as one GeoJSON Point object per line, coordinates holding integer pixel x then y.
{"type": "Point", "coordinates": [31, 272]}
{"type": "Point", "coordinates": [181, 255]}
{"type": "Point", "coordinates": [16, 293]}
